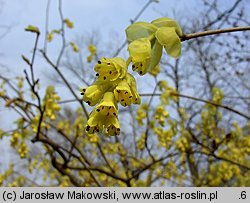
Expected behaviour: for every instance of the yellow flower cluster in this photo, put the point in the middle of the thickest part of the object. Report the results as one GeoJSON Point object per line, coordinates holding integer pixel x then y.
{"type": "Point", "coordinates": [114, 84]}
{"type": "Point", "coordinates": [161, 114]}
{"type": "Point", "coordinates": [50, 106]}
{"type": "Point", "coordinates": [146, 41]}
{"type": "Point", "coordinates": [50, 102]}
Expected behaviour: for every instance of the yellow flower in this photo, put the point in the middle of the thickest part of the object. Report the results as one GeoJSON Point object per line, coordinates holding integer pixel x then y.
{"type": "Point", "coordinates": [140, 55]}
{"type": "Point", "coordinates": [126, 91]}
{"type": "Point", "coordinates": [32, 28]}
{"type": "Point", "coordinates": [92, 49]}
{"type": "Point", "coordinates": [68, 23]}
{"type": "Point", "coordinates": [14, 139]}
{"type": "Point", "coordinates": [50, 36]}
{"type": "Point", "coordinates": [111, 69]}
{"type": "Point", "coordinates": [74, 47]}
{"type": "Point", "coordinates": [23, 150]}
{"type": "Point", "coordinates": [161, 114]}
{"type": "Point", "coordinates": [94, 93]}
{"type": "Point", "coordinates": [104, 116]}
{"type": "Point", "coordinates": [108, 105]}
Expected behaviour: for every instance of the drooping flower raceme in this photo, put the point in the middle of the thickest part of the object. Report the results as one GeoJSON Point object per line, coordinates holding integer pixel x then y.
{"type": "Point", "coordinates": [146, 41]}
{"type": "Point", "coordinates": [114, 84]}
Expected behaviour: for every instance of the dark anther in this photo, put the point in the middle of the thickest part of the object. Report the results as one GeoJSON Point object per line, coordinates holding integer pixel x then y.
{"type": "Point", "coordinates": [99, 62]}
{"type": "Point", "coordinates": [133, 66]}
{"type": "Point", "coordinates": [108, 64]}
{"type": "Point", "coordinates": [108, 114]}
{"type": "Point", "coordinates": [130, 96]}
{"type": "Point", "coordinates": [82, 93]}
{"type": "Point", "coordinates": [107, 130]}
{"type": "Point", "coordinates": [114, 114]}
{"type": "Point", "coordinates": [141, 64]}
{"type": "Point", "coordinates": [97, 110]}
{"type": "Point", "coordinates": [110, 72]}
{"type": "Point", "coordinates": [83, 90]}
{"type": "Point", "coordinates": [104, 78]}
{"type": "Point", "coordinates": [88, 128]}
{"type": "Point", "coordinates": [97, 130]}
{"type": "Point", "coordinates": [140, 72]}
{"type": "Point", "coordinates": [118, 91]}
{"type": "Point", "coordinates": [125, 104]}
{"type": "Point", "coordinates": [110, 107]}
{"type": "Point", "coordinates": [118, 129]}
{"type": "Point", "coordinates": [97, 74]}
{"type": "Point", "coordinates": [122, 100]}
{"type": "Point", "coordinates": [126, 92]}
{"type": "Point", "coordinates": [136, 99]}
{"type": "Point", "coordinates": [112, 127]}
{"type": "Point", "coordinates": [102, 107]}
{"type": "Point", "coordinates": [88, 102]}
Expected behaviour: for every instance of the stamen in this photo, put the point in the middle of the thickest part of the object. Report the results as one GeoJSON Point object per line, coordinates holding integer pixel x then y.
{"type": "Point", "coordinates": [110, 72]}
{"type": "Point", "coordinates": [114, 114]}
{"type": "Point", "coordinates": [118, 129]}
{"type": "Point", "coordinates": [108, 114]}
{"type": "Point", "coordinates": [126, 92]}
{"type": "Point", "coordinates": [125, 104]}
{"type": "Point", "coordinates": [98, 110]}
{"type": "Point", "coordinates": [88, 102]}
{"type": "Point", "coordinates": [140, 72]}
{"type": "Point", "coordinates": [99, 62]}
{"type": "Point", "coordinates": [88, 128]}
{"type": "Point", "coordinates": [82, 93]}
{"type": "Point", "coordinates": [97, 74]}
{"type": "Point", "coordinates": [83, 90]}
{"type": "Point", "coordinates": [104, 77]}
{"type": "Point", "coordinates": [122, 100]}
{"type": "Point", "coordinates": [133, 66]}
{"type": "Point", "coordinates": [108, 64]}
{"type": "Point", "coordinates": [118, 91]}
{"type": "Point", "coordinates": [102, 107]}
{"type": "Point", "coordinates": [130, 96]}
{"type": "Point", "coordinates": [141, 64]}
{"type": "Point", "coordinates": [110, 107]}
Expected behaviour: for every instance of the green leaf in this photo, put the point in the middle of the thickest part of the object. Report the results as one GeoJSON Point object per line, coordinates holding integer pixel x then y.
{"type": "Point", "coordinates": [168, 38]}
{"type": "Point", "coordinates": [167, 22]}
{"type": "Point", "coordinates": [140, 30]}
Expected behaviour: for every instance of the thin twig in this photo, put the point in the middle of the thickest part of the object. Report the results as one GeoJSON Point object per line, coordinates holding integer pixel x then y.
{"type": "Point", "coordinates": [213, 32]}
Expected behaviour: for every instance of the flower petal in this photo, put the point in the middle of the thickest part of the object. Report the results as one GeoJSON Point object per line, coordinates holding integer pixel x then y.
{"type": "Point", "coordinates": [140, 30]}
{"type": "Point", "coordinates": [168, 22]}
{"type": "Point", "coordinates": [108, 105]}
{"type": "Point", "coordinates": [140, 54]}
{"type": "Point", "coordinates": [156, 55]}
{"type": "Point", "coordinates": [123, 93]}
{"type": "Point", "coordinates": [170, 40]}
{"type": "Point", "coordinates": [93, 94]}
